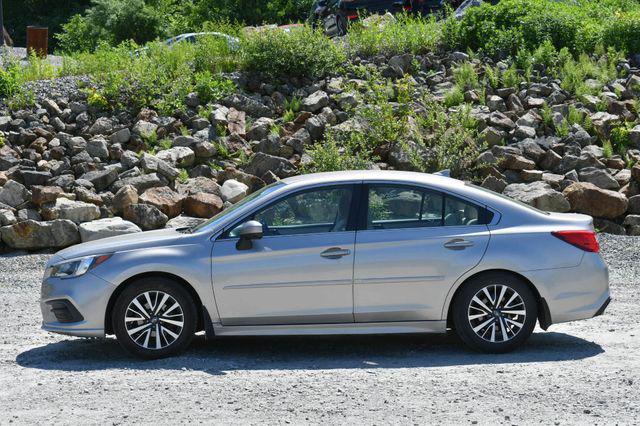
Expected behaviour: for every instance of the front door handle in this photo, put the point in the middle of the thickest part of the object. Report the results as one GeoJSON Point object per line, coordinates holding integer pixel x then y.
{"type": "Point", "coordinates": [458, 244]}
{"type": "Point", "coordinates": [335, 253]}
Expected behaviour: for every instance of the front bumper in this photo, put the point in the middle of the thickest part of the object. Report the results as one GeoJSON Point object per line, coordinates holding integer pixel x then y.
{"type": "Point", "coordinates": [75, 306]}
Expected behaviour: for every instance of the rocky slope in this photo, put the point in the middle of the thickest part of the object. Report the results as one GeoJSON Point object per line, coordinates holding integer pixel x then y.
{"type": "Point", "coordinates": [70, 173]}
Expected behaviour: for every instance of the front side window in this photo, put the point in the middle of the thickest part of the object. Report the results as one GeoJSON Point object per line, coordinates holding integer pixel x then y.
{"type": "Point", "coordinates": [320, 210]}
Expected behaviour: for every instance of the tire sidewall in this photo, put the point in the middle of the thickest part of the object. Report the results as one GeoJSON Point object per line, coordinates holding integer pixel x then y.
{"type": "Point", "coordinates": [178, 292]}
{"type": "Point", "coordinates": [461, 307]}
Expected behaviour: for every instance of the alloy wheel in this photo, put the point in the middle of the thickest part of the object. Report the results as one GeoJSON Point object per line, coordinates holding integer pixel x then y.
{"type": "Point", "coordinates": [154, 320]}
{"type": "Point", "coordinates": [497, 313]}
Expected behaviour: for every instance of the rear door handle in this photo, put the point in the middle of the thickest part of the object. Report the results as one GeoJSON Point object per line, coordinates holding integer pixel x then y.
{"type": "Point", "coordinates": [335, 253]}
{"type": "Point", "coordinates": [458, 244]}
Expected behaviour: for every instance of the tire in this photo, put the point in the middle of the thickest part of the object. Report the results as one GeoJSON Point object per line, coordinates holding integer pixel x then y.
{"type": "Point", "coordinates": [341, 25]}
{"type": "Point", "coordinates": [174, 320]}
{"type": "Point", "coordinates": [486, 326]}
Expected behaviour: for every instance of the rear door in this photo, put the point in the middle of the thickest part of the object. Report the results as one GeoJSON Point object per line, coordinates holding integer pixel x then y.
{"type": "Point", "coordinates": [412, 245]}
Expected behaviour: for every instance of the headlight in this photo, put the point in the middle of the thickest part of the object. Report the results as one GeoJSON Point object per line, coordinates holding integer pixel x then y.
{"type": "Point", "coordinates": [75, 267]}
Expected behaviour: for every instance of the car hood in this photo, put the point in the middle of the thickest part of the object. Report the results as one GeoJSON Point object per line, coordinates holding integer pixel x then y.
{"type": "Point", "coordinates": [134, 241]}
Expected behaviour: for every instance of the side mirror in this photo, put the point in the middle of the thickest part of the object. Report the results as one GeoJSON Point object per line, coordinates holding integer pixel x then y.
{"type": "Point", "coordinates": [250, 230]}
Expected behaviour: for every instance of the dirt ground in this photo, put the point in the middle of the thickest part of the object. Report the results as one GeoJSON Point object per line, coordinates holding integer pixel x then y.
{"type": "Point", "coordinates": [579, 373]}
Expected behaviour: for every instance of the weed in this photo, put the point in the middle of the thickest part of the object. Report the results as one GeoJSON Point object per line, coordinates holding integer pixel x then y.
{"type": "Point", "coordinates": [454, 96]}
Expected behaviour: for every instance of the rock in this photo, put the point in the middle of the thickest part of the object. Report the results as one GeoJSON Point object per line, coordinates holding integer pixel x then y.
{"type": "Point", "coordinates": [634, 204]}
{"type": "Point", "coordinates": [144, 129]}
{"type": "Point", "coordinates": [250, 106]}
{"type": "Point", "coordinates": [75, 211]}
{"type": "Point", "coordinates": [315, 102]}
{"type": "Point", "coordinates": [184, 222]}
{"type": "Point", "coordinates": [122, 136]}
{"type": "Point", "coordinates": [607, 226]}
{"type": "Point", "coordinates": [494, 184]}
{"type": "Point", "coordinates": [260, 129]}
{"type": "Point", "coordinates": [236, 122]}
{"type": "Point", "coordinates": [233, 191]}
{"type": "Point", "coordinates": [199, 184]}
{"type": "Point", "coordinates": [101, 179]}
{"type": "Point", "coordinates": [493, 136]}
{"type": "Point", "coordinates": [262, 163]}
{"type": "Point", "coordinates": [7, 217]}
{"type": "Point", "coordinates": [145, 215]}
{"type": "Point", "coordinates": [203, 205]}
{"type": "Point", "coordinates": [635, 172]}
{"type": "Point", "coordinates": [35, 177]}
{"type": "Point", "coordinates": [587, 198]}
{"type": "Point", "coordinates": [517, 162]}
{"type": "Point", "coordinates": [125, 196]}
{"type": "Point", "coordinates": [166, 200]}
{"type": "Point", "coordinates": [33, 235]}
{"type": "Point", "coordinates": [102, 126]}
{"type": "Point", "coordinates": [524, 132]}
{"type": "Point", "coordinates": [14, 194]}
{"type": "Point", "coordinates": [218, 116]}
{"type": "Point", "coordinates": [140, 183]}
{"type": "Point", "coordinates": [178, 156]}
{"type": "Point", "coordinates": [104, 228]}
{"type": "Point", "coordinates": [88, 196]}
{"type": "Point", "coordinates": [496, 103]}
{"type": "Point", "coordinates": [538, 194]}
{"type": "Point", "coordinates": [316, 127]}
{"type": "Point", "coordinates": [599, 177]}
{"type": "Point", "coordinates": [97, 147]}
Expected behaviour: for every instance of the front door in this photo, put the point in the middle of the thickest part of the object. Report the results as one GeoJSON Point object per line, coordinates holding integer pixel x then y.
{"type": "Point", "coordinates": [414, 246]}
{"type": "Point", "coordinates": [300, 272]}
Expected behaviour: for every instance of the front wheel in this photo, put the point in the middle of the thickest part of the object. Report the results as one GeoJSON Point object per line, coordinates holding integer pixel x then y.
{"type": "Point", "coordinates": [154, 317]}
{"type": "Point", "coordinates": [495, 313]}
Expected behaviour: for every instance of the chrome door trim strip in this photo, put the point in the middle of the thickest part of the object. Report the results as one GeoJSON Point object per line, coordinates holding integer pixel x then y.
{"type": "Point", "coordinates": [388, 280]}
{"type": "Point", "coordinates": [288, 284]}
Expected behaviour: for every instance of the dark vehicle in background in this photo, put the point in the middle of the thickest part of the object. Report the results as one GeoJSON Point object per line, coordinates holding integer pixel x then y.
{"type": "Point", "coordinates": [334, 15]}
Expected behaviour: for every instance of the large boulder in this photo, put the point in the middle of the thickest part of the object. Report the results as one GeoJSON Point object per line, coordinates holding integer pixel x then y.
{"type": "Point", "coordinates": [32, 235]}
{"type": "Point", "coordinates": [538, 194]}
{"type": "Point", "coordinates": [140, 183]}
{"type": "Point", "coordinates": [587, 198]}
{"type": "Point", "coordinates": [75, 211]}
{"type": "Point", "coordinates": [165, 199]}
{"type": "Point", "coordinates": [103, 228]}
{"type": "Point", "coordinates": [599, 177]}
{"type": "Point", "coordinates": [101, 179]}
{"type": "Point", "coordinates": [145, 215]}
{"type": "Point", "coordinates": [262, 163]}
{"type": "Point", "coordinates": [233, 191]}
{"type": "Point", "coordinates": [197, 185]}
{"type": "Point", "coordinates": [14, 194]}
{"type": "Point", "coordinates": [203, 205]}
{"type": "Point", "coordinates": [178, 156]}
{"type": "Point", "coordinates": [249, 105]}
{"type": "Point", "coordinates": [315, 102]}
{"type": "Point", "coordinates": [125, 196]}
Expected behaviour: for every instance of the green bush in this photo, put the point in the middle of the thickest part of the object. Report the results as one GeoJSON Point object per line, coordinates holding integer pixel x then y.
{"type": "Point", "coordinates": [300, 52]}
{"type": "Point", "coordinates": [408, 34]}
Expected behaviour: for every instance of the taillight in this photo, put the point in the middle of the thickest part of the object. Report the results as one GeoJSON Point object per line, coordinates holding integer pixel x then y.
{"type": "Point", "coordinates": [585, 240]}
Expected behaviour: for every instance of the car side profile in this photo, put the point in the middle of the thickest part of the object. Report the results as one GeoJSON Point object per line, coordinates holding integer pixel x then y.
{"type": "Point", "coordinates": [355, 252]}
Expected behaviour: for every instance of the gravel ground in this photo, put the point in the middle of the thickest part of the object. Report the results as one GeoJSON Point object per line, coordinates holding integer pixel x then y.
{"type": "Point", "coordinates": [581, 373]}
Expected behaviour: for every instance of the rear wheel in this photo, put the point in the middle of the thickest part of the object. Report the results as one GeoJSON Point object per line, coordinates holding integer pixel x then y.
{"type": "Point", "coordinates": [154, 317]}
{"type": "Point", "coordinates": [495, 313]}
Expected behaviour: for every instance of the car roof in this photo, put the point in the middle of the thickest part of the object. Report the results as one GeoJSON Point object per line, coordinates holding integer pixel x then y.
{"type": "Point", "coordinates": [373, 175]}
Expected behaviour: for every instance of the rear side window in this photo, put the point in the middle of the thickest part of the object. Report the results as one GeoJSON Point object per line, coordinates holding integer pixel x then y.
{"type": "Point", "coordinates": [396, 206]}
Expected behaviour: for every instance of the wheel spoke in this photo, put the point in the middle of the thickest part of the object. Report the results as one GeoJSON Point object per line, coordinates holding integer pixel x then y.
{"type": "Point", "coordinates": [141, 308]}
{"type": "Point", "coordinates": [481, 303]}
{"type": "Point", "coordinates": [177, 323]}
{"type": "Point", "coordinates": [482, 325]}
{"type": "Point", "coordinates": [136, 329]}
{"type": "Point", "coordinates": [503, 290]}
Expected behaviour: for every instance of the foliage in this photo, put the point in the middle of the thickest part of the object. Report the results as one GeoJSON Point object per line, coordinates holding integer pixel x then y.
{"type": "Point", "coordinates": [408, 34]}
{"type": "Point", "coordinates": [211, 88]}
{"type": "Point", "coordinates": [466, 76]}
{"type": "Point", "coordinates": [454, 96]}
{"type": "Point", "coordinates": [300, 52]}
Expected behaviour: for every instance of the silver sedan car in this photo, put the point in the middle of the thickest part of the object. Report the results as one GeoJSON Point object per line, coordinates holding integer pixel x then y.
{"type": "Point", "coordinates": [357, 252]}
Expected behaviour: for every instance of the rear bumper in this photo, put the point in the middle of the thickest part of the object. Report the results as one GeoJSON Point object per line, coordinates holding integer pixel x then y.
{"type": "Point", "coordinates": [575, 293]}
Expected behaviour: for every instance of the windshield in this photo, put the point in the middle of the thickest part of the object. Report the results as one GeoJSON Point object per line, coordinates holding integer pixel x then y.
{"type": "Point", "coordinates": [256, 195]}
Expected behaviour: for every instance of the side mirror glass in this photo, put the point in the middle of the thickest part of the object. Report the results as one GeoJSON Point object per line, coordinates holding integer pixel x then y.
{"type": "Point", "coordinates": [249, 231]}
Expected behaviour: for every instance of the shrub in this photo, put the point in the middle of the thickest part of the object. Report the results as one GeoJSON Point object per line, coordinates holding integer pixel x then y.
{"type": "Point", "coordinates": [300, 52]}
{"type": "Point", "coordinates": [454, 96]}
{"type": "Point", "coordinates": [211, 88]}
{"type": "Point", "coordinates": [466, 76]}
{"type": "Point", "coordinates": [408, 34]}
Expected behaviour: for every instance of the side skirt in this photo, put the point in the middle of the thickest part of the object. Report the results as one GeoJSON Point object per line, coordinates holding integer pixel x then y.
{"type": "Point", "coordinates": [327, 329]}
